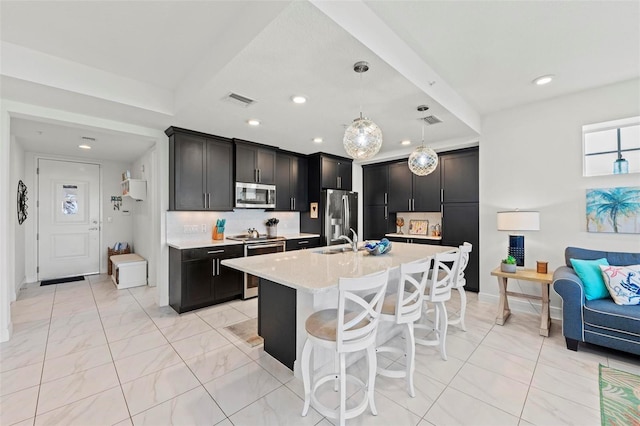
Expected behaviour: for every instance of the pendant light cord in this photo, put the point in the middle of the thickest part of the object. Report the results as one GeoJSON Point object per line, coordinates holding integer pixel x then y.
{"type": "Point", "coordinates": [361, 94]}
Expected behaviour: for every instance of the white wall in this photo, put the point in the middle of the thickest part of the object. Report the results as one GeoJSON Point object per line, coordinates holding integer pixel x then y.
{"type": "Point", "coordinates": [143, 217]}
{"type": "Point", "coordinates": [17, 174]}
{"type": "Point", "coordinates": [531, 158]}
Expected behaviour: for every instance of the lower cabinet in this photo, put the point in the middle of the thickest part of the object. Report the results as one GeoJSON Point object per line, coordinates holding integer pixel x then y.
{"type": "Point", "coordinates": [415, 241]}
{"type": "Point", "coordinates": [303, 243]}
{"type": "Point", "coordinates": [198, 279]}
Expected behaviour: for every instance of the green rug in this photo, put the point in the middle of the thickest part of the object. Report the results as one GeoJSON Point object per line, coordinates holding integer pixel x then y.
{"type": "Point", "coordinates": [619, 397]}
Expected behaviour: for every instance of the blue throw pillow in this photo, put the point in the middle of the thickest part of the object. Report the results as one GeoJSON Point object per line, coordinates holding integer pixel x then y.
{"type": "Point", "coordinates": [591, 276]}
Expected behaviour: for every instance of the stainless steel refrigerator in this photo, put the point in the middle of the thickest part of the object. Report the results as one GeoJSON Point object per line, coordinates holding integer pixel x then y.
{"type": "Point", "coordinates": [339, 212]}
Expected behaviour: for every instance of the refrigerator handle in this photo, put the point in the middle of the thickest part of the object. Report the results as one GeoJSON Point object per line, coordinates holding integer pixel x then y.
{"type": "Point", "coordinates": [345, 215]}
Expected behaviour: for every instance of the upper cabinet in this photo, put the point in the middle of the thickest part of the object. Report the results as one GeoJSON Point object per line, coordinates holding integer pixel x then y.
{"type": "Point", "coordinates": [200, 171]}
{"type": "Point", "coordinates": [335, 172]}
{"type": "Point", "coordinates": [409, 192]}
{"type": "Point", "coordinates": [291, 182]}
{"type": "Point", "coordinates": [255, 163]}
{"type": "Point", "coordinates": [460, 177]}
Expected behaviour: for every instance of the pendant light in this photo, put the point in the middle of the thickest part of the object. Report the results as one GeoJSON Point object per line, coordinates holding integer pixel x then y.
{"type": "Point", "coordinates": [363, 138]}
{"type": "Point", "coordinates": [423, 160]}
{"type": "Point", "coordinates": [620, 166]}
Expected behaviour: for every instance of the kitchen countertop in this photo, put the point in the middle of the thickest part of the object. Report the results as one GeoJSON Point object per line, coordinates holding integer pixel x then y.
{"type": "Point", "coordinates": [314, 272]}
{"type": "Point", "coordinates": [190, 244]}
{"type": "Point", "coordinates": [420, 237]}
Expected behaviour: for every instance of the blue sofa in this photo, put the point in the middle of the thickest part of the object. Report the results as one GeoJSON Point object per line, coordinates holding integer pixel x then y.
{"type": "Point", "coordinates": [600, 322]}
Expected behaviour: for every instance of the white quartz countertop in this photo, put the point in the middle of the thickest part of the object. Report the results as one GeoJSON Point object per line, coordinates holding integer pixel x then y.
{"type": "Point", "coordinates": [189, 244]}
{"type": "Point", "coordinates": [417, 237]}
{"type": "Point", "coordinates": [311, 271]}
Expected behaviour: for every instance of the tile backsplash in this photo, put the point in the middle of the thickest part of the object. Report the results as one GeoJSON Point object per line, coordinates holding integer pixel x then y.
{"type": "Point", "coordinates": [238, 221]}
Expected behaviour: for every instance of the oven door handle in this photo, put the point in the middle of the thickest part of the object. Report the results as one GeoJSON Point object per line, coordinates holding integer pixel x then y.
{"type": "Point", "coordinates": [264, 246]}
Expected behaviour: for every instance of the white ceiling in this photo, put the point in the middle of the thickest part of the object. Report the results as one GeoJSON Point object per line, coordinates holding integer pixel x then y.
{"type": "Point", "coordinates": [158, 64]}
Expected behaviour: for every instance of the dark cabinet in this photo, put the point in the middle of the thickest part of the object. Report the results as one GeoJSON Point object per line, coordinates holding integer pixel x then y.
{"type": "Point", "coordinates": [336, 173]}
{"type": "Point", "coordinates": [291, 182]}
{"type": "Point", "coordinates": [255, 163]}
{"type": "Point", "coordinates": [198, 279]}
{"type": "Point", "coordinates": [460, 223]}
{"type": "Point", "coordinates": [460, 177]}
{"type": "Point", "coordinates": [409, 192]}
{"type": "Point", "coordinates": [200, 171]}
{"type": "Point", "coordinates": [303, 243]}
{"type": "Point", "coordinates": [377, 219]}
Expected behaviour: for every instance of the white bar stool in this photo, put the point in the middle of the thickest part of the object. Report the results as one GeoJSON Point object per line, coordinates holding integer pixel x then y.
{"type": "Point", "coordinates": [459, 281]}
{"type": "Point", "coordinates": [438, 292]}
{"type": "Point", "coordinates": [405, 308]}
{"type": "Point", "coordinates": [347, 329]}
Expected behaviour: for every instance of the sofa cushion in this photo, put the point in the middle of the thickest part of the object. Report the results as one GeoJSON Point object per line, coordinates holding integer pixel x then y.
{"type": "Point", "coordinates": [623, 283]}
{"type": "Point", "coordinates": [607, 316]}
{"type": "Point", "coordinates": [591, 276]}
{"type": "Point", "coordinates": [614, 258]}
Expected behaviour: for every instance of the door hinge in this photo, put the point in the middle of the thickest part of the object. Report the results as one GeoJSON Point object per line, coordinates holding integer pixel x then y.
{"type": "Point", "coordinates": [38, 269]}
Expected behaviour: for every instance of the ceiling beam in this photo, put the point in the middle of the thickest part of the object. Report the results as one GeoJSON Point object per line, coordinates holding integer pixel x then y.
{"type": "Point", "coordinates": [363, 24]}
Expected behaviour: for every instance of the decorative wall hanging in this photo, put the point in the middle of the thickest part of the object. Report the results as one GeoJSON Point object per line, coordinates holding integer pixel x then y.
{"type": "Point", "coordinates": [614, 210]}
{"type": "Point", "coordinates": [22, 202]}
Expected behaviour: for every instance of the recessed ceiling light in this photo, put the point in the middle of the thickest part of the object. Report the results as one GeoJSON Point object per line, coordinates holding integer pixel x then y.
{"type": "Point", "coordinates": [542, 80]}
{"type": "Point", "coordinates": [406, 142]}
{"type": "Point", "coordinates": [84, 146]}
{"type": "Point", "coordinates": [253, 122]}
{"type": "Point", "coordinates": [298, 99]}
{"type": "Point", "coordinates": [317, 140]}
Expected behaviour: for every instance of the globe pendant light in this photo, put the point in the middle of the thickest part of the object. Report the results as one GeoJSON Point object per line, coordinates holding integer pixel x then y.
{"type": "Point", "coordinates": [423, 160]}
{"type": "Point", "coordinates": [363, 138]}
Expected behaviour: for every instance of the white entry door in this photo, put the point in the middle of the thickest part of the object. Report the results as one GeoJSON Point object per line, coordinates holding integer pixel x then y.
{"type": "Point", "coordinates": [68, 219]}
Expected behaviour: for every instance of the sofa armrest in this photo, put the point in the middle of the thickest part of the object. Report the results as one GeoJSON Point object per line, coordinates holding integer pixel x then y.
{"type": "Point", "coordinates": [570, 287]}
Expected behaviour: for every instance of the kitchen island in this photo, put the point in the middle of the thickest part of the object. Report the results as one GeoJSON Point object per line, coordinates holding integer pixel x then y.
{"type": "Point", "coordinates": [295, 284]}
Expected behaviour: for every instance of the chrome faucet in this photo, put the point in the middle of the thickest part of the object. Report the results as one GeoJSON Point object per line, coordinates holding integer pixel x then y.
{"type": "Point", "coordinates": [354, 242]}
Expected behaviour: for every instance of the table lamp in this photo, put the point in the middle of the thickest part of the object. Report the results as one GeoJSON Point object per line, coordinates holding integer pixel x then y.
{"type": "Point", "coordinates": [517, 220]}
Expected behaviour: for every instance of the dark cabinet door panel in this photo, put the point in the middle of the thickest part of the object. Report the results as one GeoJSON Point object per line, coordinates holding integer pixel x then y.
{"type": "Point", "coordinates": [300, 184]}
{"type": "Point", "coordinates": [198, 275]}
{"type": "Point", "coordinates": [460, 224]}
{"type": "Point", "coordinates": [426, 192]}
{"type": "Point", "coordinates": [246, 164]}
{"type": "Point", "coordinates": [283, 182]}
{"type": "Point", "coordinates": [346, 175]}
{"type": "Point", "coordinates": [400, 191]}
{"type": "Point", "coordinates": [377, 222]}
{"type": "Point", "coordinates": [329, 170]}
{"type": "Point", "coordinates": [219, 175]}
{"type": "Point", "coordinates": [189, 173]}
{"type": "Point", "coordinates": [266, 165]}
{"type": "Point", "coordinates": [460, 177]}
{"type": "Point", "coordinates": [375, 184]}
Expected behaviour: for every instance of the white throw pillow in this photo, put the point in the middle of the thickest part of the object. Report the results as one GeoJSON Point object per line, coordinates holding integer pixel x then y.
{"type": "Point", "coordinates": [623, 283]}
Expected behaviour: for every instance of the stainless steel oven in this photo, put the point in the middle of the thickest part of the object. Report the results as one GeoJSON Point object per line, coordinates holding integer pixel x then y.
{"type": "Point", "coordinates": [254, 247]}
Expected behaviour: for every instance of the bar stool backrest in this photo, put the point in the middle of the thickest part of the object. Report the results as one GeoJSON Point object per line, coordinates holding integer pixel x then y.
{"type": "Point", "coordinates": [413, 281]}
{"type": "Point", "coordinates": [442, 276]}
{"type": "Point", "coordinates": [460, 280]}
{"type": "Point", "coordinates": [358, 325]}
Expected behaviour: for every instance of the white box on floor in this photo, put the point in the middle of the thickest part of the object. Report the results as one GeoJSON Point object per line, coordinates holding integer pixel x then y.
{"type": "Point", "coordinates": [129, 270]}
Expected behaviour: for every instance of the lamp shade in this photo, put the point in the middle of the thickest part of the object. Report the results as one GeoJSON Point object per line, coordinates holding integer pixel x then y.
{"type": "Point", "coordinates": [517, 220]}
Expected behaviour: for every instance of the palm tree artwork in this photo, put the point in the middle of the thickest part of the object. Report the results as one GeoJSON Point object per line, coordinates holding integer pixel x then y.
{"type": "Point", "coordinates": [614, 210]}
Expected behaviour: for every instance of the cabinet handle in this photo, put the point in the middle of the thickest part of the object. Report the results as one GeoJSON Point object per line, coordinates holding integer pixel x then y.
{"type": "Point", "coordinates": [386, 212]}
{"type": "Point", "coordinates": [339, 182]}
{"type": "Point", "coordinates": [213, 268]}
{"type": "Point", "coordinates": [442, 195]}
{"type": "Point", "coordinates": [208, 200]}
{"type": "Point", "coordinates": [294, 203]}
{"type": "Point", "coordinates": [303, 242]}
{"type": "Point", "coordinates": [413, 204]}
{"type": "Point", "coordinates": [385, 198]}
{"type": "Point", "coordinates": [215, 251]}
{"type": "Point", "coordinates": [259, 177]}
{"type": "Point", "coordinates": [255, 175]}
{"type": "Point", "coordinates": [409, 204]}
{"type": "Point", "coordinates": [204, 200]}
{"type": "Point", "coordinates": [218, 262]}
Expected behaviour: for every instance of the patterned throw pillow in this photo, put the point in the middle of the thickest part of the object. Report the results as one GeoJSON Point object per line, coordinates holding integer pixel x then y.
{"type": "Point", "coordinates": [623, 283]}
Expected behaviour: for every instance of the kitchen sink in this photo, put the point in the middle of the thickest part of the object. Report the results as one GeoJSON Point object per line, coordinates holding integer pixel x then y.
{"type": "Point", "coordinates": [335, 250]}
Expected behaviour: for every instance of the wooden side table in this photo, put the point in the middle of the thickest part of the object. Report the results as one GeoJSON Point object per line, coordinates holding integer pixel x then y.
{"type": "Point", "coordinates": [525, 275]}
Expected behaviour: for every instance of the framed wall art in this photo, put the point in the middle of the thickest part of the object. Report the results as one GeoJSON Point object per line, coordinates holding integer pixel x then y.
{"type": "Point", "coordinates": [615, 210]}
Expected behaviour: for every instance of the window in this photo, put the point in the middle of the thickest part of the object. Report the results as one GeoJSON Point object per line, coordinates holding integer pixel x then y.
{"type": "Point", "coordinates": [606, 143]}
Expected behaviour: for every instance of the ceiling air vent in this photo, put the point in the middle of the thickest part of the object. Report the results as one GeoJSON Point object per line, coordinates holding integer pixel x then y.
{"type": "Point", "coordinates": [431, 119]}
{"type": "Point", "coordinates": [239, 100]}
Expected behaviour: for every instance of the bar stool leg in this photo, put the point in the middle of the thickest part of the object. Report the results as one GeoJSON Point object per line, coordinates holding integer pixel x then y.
{"type": "Point", "coordinates": [343, 389]}
{"type": "Point", "coordinates": [442, 330]}
{"type": "Point", "coordinates": [336, 368]}
{"type": "Point", "coordinates": [372, 361]}
{"type": "Point", "coordinates": [306, 379]}
{"type": "Point", "coordinates": [410, 352]}
{"type": "Point", "coordinates": [463, 307]}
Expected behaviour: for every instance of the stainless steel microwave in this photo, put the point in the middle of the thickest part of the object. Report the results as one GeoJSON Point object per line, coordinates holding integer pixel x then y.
{"type": "Point", "coordinates": [255, 196]}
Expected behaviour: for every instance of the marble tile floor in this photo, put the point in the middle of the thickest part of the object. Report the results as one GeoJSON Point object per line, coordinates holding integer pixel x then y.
{"type": "Point", "coordinates": [85, 353]}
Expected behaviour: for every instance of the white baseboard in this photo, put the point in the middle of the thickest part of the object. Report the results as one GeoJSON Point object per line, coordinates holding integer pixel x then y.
{"type": "Point", "coordinates": [6, 333]}
{"type": "Point", "coordinates": [521, 305]}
